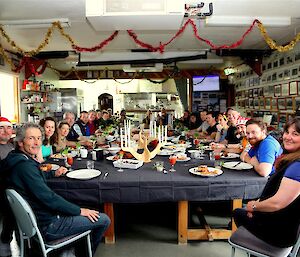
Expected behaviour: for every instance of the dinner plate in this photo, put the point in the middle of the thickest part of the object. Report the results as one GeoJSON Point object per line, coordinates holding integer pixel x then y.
{"type": "Point", "coordinates": [184, 160]}
{"type": "Point", "coordinates": [165, 152]}
{"type": "Point", "coordinates": [213, 172]}
{"type": "Point", "coordinates": [54, 166]}
{"type": "Point", "coordinates": [230, 156]}
{"type": "Point", "coordinates": [84, 174]}
{"type": "Point", "coordinates": [111, 158]}
{"type": "Point", "coordinates": [237, 165]}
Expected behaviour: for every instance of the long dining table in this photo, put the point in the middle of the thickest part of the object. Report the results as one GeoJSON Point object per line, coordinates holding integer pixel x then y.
{"type": "Point", "coordinates": [146, 185]}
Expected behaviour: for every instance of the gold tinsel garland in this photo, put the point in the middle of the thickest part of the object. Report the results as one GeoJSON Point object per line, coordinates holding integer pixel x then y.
{"type": "Point", "coordinates": [272, 44]}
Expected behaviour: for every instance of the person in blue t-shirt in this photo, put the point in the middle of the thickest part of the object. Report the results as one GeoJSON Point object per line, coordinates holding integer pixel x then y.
{"type": "Point", "coordinates": [274, 217]}
{"type": "Point", "coordinates": [264, 151]}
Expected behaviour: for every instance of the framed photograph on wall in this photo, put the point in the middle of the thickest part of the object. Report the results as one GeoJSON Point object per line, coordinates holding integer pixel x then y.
{"type": "Point", "coordinates": [261, 103]}
{"type": "Point", "coordinates": [281, 103]}
{"type": "Point", "coordinates": [293, 89]}
{"type": "Point", "coordinates": [274, 103]}
{"type": "Point", "coordinates": [256, 103]}
{"type": "Point", "coordinates": [294, 72]}
{"type": "Point", "coordinates": [251, 103]}
{"type": "Point", "coordinates": [277, 90]}
{"type": "Point", "coordinates": [285, 89]}
{"type": "Point", "coordinates": [286, 73]}
{"type": "Point", "coordinates": [281, 61]}
{"type": "Point", "coordinates": [250, 92]}
{"type": "Point", "coordinates": [265, 91]}
{"type": "Point", "coordinates": [268, 103]}
{"type": "Point", "coordinates": [289, 103]}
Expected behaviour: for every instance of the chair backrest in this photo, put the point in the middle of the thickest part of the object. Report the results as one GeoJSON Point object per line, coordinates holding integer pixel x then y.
{"type": "Point", "coordinates": [23, 213]}
{"type": "Point", "coordinates": [296, 246]}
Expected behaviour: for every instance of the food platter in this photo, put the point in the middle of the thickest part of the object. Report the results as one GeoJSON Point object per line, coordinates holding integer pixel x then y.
{"type": "Point", "coordinates": [183, 159]}
{"type": "Point", "coordinates": [127, 163]}
{"type": "Point", "coordinates": [211, 172]}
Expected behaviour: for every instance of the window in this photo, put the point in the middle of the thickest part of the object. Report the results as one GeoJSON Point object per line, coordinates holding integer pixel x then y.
{"type": "Point", "coordinates": [9, 97]}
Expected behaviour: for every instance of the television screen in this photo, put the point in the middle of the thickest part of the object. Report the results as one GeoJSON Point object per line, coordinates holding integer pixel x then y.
{"type": "Point", "coordinates": [206, 83]}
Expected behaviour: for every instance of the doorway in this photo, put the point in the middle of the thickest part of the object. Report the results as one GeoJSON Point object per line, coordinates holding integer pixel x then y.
{"type": "Point", "coordinates": [105, 101]}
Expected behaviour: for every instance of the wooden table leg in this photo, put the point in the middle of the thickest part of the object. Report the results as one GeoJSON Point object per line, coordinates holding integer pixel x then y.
{"type": "Point", "coordinates": [110, 232]}
{"type": "Point", "coordinates": [182, 222]}
{"type": "Point", "coordinates": [236, 203]}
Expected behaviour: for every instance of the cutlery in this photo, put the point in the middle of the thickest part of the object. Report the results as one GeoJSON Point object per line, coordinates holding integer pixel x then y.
{"type": "Point", "coordinates": [105, 175]}
{"type": "Point", "coordinates": [236, 164]}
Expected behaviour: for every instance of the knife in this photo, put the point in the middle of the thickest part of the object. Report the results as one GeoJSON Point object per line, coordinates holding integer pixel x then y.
{"type": "Point", "coordinates": [105, 175]}
{"type": "Point", "coordinates": [236, 164]}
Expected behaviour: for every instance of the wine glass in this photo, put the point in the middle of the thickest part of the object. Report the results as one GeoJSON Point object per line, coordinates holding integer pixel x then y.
{"type": "Point", "coordinates": [172, 160]}
{"type": "Point", "coordinates": [69, 161]}
{"type": "Point", "coordinates": [120, 158]}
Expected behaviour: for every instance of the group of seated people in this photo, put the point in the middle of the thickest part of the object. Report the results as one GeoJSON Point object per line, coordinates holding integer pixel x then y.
{"type": "Point", "coordinates": [232, 133]}
{"type": "Point", "coordinates": [280, 201]}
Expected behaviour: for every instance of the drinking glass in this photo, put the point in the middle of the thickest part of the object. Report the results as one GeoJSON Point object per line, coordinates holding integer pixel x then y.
{"type": "Point", "coordinates": [120, 158]}
{"type": "Point", "coordinates": [90, 164]}
{"type": "Point", "coordinates": [172, 160]}
{"type": "Point", "coordinates": [217, 159]}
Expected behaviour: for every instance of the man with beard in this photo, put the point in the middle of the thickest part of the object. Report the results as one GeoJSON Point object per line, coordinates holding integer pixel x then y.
{"type": "Point", "coordinates": [264, 151]}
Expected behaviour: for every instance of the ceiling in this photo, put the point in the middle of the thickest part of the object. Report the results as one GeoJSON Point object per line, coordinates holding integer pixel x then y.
{"type": "Point", "coordinates": [123, 49]}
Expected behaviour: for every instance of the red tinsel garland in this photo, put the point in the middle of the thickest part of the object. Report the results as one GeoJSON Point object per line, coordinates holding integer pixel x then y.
{"type": "Point", "coordinates": [97, 47]}
{"type": "Point", "coordinates": [31, 66]}
{"type": "Point", "coordinates": [161, 47]}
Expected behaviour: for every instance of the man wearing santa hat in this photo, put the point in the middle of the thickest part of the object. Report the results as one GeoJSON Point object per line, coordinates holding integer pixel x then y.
{"type": "Point", "coordinates": [6, 131]}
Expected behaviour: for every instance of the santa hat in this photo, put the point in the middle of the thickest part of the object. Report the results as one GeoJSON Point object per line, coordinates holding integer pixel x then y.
{"type": "Point", "coordinates": [242, 121]}
{"type": "Point", "coordinates": [4, 122]}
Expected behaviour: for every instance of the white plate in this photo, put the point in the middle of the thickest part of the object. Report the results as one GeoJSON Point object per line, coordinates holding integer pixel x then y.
{"type": "Point", "coordinates": [84, 174]}
{"type": "Point", "coordinates": [196, 172]}
{"type": "Point", "coordinates": [237, 165]}
{"type": "Point", "coordinates": [54, 166]}
{"type": "Point", "coordinates": [184, 160]}
{"type": "Point", "coordinates": [110, 158]}
{"type": "Point", "coordinates": [230, 156]}
{"type": "Point", "coordinates": [193, 151]}
{"type": "Point", "coordinates": [166, 152]}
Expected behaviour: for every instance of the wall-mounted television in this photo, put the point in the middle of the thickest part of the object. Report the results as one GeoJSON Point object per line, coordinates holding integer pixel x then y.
{"type": "Point", "coordinates": [206, 83]}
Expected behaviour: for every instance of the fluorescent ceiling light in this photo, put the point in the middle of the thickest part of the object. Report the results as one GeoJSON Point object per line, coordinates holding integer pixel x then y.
{"type": "Point", "coordinates": [40, 23]}
{"type": "Point", "coordinates": [246, 21]}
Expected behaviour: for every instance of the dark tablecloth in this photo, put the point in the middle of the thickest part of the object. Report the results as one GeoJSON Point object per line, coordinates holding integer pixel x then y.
{"type": "Point", "coordinates": [146, 185]}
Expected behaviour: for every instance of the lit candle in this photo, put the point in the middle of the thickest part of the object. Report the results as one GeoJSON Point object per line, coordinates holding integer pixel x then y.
{"type": "Point", "coordinates": [166, 133]}
{"type": "Point", "coordinates": [159, 134]}
{"type": "Point", "coordinates": [121, 132]}
{"type": "Point", "coordinates": [151, 128]}
{"type": "Point", "coordinates": [129, 133]}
